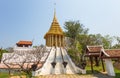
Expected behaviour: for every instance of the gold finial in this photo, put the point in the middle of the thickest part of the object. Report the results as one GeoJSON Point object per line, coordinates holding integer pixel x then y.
{"type": "Point", "coordinates": [54, 9]}
{"type": "Point", "coordinates": [54, 19]}
{"type": "Point", "coordinates": [54, 6]}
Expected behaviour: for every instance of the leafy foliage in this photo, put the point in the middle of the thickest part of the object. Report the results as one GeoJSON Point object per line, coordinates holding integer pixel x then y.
{"type": "Point", "coordinates": [1, 52]}
{"type": "Point", "coordinates": [73, 30]}
{"type": "Point", "coordinates": [79, 39]}
{"type": "Point", "coordinates": [117, 45]}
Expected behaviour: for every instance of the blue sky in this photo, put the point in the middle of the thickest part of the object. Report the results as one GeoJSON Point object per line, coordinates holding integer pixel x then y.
{"type": "Point", "coordinates": [31, 19]}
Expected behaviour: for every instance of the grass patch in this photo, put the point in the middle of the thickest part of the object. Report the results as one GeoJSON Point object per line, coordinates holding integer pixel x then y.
{"type": "Point", "coordinates": [4, 75]}
{"type": "Point", "coordinates": [98, 69]}
{"type": "Point", "coordinates": [117, 72]}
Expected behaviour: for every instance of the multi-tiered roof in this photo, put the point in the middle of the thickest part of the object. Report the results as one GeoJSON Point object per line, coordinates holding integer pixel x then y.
{"type": "Point", "coordinates": [55, 36]}
{"type": "Point", "coordinates": [55, 27]}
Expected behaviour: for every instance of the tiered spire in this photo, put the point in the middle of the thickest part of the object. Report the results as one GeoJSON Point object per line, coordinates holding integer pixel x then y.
{"type": "Point", "coordinates": [55, 36]}
{"type": "Point", "coordinates": [55, 27]}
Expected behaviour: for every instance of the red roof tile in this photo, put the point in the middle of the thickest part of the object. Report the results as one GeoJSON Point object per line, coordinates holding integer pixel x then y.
{"type": "Point", "coordinates": [113, 52]}
{"type": "Point", "coordinates": [94, 48]}
{"type": "Point", "coordinates": [24, 43]}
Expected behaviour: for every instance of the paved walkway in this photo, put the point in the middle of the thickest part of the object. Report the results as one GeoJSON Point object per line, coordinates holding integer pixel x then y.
{"type": "Point", "coordinates": [67, 76]}
{"type": "Point", "coordinates": [76, 76]}
{"type": "Point", "coordinates": [99, 75]}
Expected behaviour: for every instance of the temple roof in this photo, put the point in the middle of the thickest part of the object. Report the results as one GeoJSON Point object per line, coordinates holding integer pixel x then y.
{"type": "Point", "coordinates": [111, 53]}
{"type": "Point", "coordinates": [55, 27]}
{"type": "Point", "coordinates": [99, 51]}
{"type": "Point", "coordinates": [96, 48]}
{"type": "Point", "coordinates": [24, 43]}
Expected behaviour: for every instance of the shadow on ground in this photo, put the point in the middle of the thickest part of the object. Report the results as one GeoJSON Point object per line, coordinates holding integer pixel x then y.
{"type": "Point", "coordinates": [98, 74]}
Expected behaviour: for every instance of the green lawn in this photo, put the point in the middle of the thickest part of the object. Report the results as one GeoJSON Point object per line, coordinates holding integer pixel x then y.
{"type": "Point", "coordinates": [117, 72]}
{"type": "Point", "coordinates": [99, 69]}
{"type": "Point", "coordinates": [4, 75]}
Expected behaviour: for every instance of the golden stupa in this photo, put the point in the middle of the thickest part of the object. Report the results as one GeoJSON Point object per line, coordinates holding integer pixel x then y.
{"type": "Point", "coordinates": [55, 35]}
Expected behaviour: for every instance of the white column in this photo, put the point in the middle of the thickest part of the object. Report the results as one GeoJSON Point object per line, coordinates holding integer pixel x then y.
{"type": "Point", "coordinates": [109, 67]}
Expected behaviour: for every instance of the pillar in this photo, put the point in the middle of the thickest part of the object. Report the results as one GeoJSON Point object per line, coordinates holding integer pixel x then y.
{"type": "Point", "coordinates": [56, 40]}
{"type": "Point", "coordinates": [109, 67]}
{"type": "Point", "coordinates": [52, 40]}
{"type": "Point", "coordinates": [103, 65]}
{"type": "Point", "coordinates": [59, 40]}
{"type": "Point", "coordinates": [91, 61]}
{"type": "Point", "coordinates": [63, 41]}
{"type": "Point", "coordinates": [48, 40]}
{"type": "Point", "coordinates": [96, 61]}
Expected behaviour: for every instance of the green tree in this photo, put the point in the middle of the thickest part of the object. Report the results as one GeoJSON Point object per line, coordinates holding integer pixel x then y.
{"type": "Point", "coordinates": [107, 41]}
{"type": "Point", "coordinates": [79, 39]}
{"type": "Point", "coordinates": [1, 52]}
{"type": "Point", "coordinates": [98, 39]}
{"type": "Point", "coordinates": [117, 44]}
{"type": "Point", "coordinates": [73, 30]}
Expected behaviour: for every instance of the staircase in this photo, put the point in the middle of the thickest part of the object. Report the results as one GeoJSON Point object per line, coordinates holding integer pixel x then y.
{"type": "Point", "coordinates": [58, 62]}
